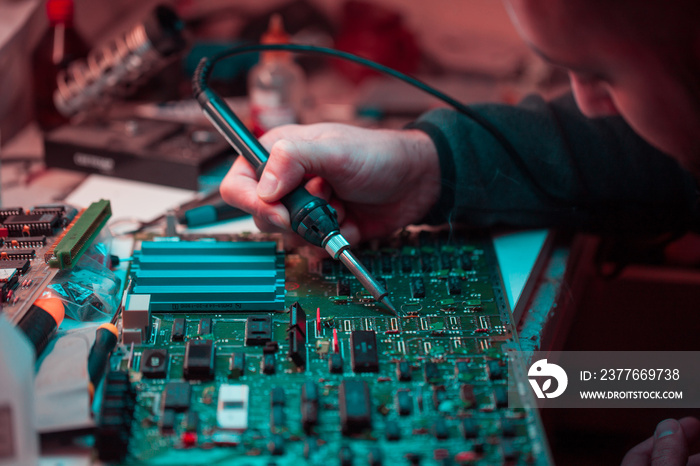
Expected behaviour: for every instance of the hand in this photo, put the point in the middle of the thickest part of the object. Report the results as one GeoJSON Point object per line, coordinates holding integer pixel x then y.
{"type": "Point", "coordinates": [377, 180]}
{"type": "Point", "coordinates": [669, 446]}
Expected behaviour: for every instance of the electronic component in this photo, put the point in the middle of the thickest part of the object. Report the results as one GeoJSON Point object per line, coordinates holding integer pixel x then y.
{"type": "Point", "coordinates": [167, 422]}
{"type": "Point", "coordinates": [32, 224]}
{"type": "Point", "coordinates": [309, 405]}
{"type": "Point", "coordinates": [363, 351]}
{"type": "Point", "coordinates": [10, 212]}
{"type": "Point", "coordinates": [199, 360]}
{"type": "Point", "coordinates": [495, 370]}
{"type": "Point", "coordinates": [431, 372]}
{"type": "Point", "coordinates": [189, 276]}
{"type": "Point", "coordinates": [176, 396]}
{"type": "Point", "coordinates": [17, 254]}
{"type": "Point", "coordinates": [297, 335]}
{"type": "Point", "coordinates": [417, 287]}
{"type": "Point", "coordinates": [78, 236]}
{"type": "Point", "coordinates": [343, 287]}
{"type": "Point", "coordinates": [392, 430]}
{"type": "Point", "coordinates": [454, 285]}
{"type": "Point", "coordinates": [232, 407]}
{"type": "Point", "coordinates": [154, 363]}
{"type": "Point", "coordinates": [236, 365]}
{"type": "Point", "coordinates": [469, 428]}
{"type": "Point", "coordinates": [258, 330]}
{"type": "Point", "coordinates": [205, 326]}
{"type": "Point", "coordinates": [8, 278]}
{"type": "Point", "coordinates": [355, 406]}
{"type": "Point", "coordinates": [335, 363]}
{"type": "Point", "coordinates": [440, 430]}
{"type": "Point", "coordinates": [27, 241]}
{"type": "Point", "coordinates": [403, 371]}
{"type": "Point", "coordinates": [268, 364]}
{"type": "Point", "coordinates": [113, 432]}
{"type": "Point", "coordinates": [22, 266]}
{"type": "Point", "coordinates": [137, 316]}
{"type": "Point", "coordinates": [278, 400]}
{"type": "Point", "coordinates": [404, 402]}
{"type": "Point", "coordinates": [179, 329]}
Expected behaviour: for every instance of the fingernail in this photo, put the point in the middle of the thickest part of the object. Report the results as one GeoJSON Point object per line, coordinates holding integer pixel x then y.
{"type": "Point", "coordinates": [267, 184]}
{"type": "Point", "coordinates": [666, 427]}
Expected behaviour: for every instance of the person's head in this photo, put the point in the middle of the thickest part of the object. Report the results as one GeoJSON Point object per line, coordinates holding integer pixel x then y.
{"type": "Point", "coordinates": [638, 58]}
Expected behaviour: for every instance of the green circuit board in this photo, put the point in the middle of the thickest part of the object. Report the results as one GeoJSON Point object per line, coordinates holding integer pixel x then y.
{"type": "Point", "coordinates": [331, 377]}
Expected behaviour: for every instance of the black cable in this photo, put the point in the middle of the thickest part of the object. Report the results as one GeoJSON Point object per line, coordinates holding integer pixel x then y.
{"type": "Point", "coordinates": [206, 65]}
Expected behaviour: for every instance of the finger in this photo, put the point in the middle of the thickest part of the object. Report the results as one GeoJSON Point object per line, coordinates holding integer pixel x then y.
{"type": "Point", "coordinates": [238, 188]}
{"type": "Point", "coordinates": [691, 429]}
{"type": "Point", "coordinates": [351, 232]}
{"type": "Point", "coordinates": [694, 460]}
{"type": "Point", "coordinates": [670, 445]}
{"type": "Point", "coordinates": [319, 187]}
{"type": "Point", "coordinates": [640, 454]}
{"type": "Point", "coordinates": [290, 161]}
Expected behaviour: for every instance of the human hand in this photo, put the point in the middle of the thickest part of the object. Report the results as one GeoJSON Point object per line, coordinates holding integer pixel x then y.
{"type": "Point", "coordinates": [377, 180]}
{"type": "Point", "coordinates": [669, 446]}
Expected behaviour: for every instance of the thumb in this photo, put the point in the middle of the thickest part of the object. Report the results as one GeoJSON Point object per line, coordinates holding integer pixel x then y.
{"type": "Point", "coordinates": [670, 446]}
{"type": "Point", "coordinates": [290, 162]}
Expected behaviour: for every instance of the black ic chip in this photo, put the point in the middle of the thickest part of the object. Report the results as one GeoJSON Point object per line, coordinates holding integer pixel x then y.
{"type": "Point", "coordinates": [237, 364]}
{"type": "Point", "coordinates": [404, 402]}
{"type": "Point", "coordinates": [176, 396]}
{"type": "Point", "coordinates": [269, 364]}
{"type": "Point", "coordinates": [258, 330]}
{"type": "Point", "coordinates": [335, 363]}
{"type": "Point", "coordinates": [454, 285]}
{"type": "Point", "coordinates": [363, 351]}
{"type": "Point", "coordinates": [154, 363]}
{"type": "Point", "coordinates": [403, 371]}
{"type": "Point", "coordinates": [417, 287]}
{"type": "Point", "coordinates": [431, 372]}
{"type": "Point", "coordinates": [199, 360]}
{"type": "Point", "coordinates": [205, 326]}
{"type": "Point", "coordinates": [343, 287]}
{"type": "Point", "coordinates": [355, 406]}
{"type": "Point", "coordinates": [178, 332]}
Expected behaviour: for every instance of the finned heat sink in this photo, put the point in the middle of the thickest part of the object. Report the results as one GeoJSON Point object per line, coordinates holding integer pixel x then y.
{"type": "Point", "coordinates": [210, 276]}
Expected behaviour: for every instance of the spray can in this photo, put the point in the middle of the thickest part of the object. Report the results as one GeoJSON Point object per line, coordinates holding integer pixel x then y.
{"type": "Point", "coordinates": [275, 85]}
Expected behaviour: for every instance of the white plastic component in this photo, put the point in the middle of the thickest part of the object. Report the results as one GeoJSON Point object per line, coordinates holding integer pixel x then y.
{"type": "Point", "coordinates": [232, 409]}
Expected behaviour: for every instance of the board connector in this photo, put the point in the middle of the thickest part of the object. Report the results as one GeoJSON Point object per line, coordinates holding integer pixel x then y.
{"type": "Point", "coordinates": [79, 235]}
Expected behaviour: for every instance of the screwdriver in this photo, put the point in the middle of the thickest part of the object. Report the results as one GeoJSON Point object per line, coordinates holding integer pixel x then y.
{"type": "Point", "coordinates": [105, 341]}
{"type": "Point", "coordinates": [311, 217]}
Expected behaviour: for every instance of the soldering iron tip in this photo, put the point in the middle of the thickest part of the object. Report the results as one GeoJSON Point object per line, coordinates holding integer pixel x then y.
{"type": "Point", "coordinates": [385, 301]}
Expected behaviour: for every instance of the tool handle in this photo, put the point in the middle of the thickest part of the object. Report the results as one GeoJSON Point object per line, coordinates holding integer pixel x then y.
{"type": "Point", "coordinates": [105, 341]}
{"type": "Point", "coordinates": [311, 217]}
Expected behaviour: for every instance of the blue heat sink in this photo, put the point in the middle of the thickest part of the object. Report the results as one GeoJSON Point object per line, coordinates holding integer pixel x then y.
{"type": "Point", "coordinates": [210, 276]}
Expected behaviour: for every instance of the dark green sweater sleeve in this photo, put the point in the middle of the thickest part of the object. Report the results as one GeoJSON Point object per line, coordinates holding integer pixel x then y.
{"type": "Point", "coordinates": [570, 172]}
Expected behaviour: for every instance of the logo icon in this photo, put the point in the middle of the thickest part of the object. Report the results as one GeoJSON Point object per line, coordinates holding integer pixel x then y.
{"type": "Point", "coordinates": [542, 369]}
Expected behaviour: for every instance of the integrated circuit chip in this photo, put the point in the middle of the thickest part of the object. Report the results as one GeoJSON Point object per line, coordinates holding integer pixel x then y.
{"type": "Point", "coordinates": [355, 406]}
{"type": "Point", "coordinates": [154, 363]}
{"type": "Point", "coordinates": [199, 360]}
{"type": "Point", "coordinates": [258, 330]}
{"type": "Point", "coordinates": [176, 396]}
{"type": "Point", "coordinates": [363, 351]}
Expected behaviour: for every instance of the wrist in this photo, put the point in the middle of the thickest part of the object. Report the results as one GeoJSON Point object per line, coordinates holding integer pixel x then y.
{"type": "Point", "coordinates": [420, 150]}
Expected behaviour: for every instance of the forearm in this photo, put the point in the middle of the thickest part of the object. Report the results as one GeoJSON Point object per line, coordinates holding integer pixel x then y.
{"type": "Point", "coordinates": [569, 171]}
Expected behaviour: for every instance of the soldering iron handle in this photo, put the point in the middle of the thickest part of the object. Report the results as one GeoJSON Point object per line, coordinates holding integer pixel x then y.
{"type": "Point", "coordinates": [233, 129]}
{"type": "Point", "coordinates": [311, 217]}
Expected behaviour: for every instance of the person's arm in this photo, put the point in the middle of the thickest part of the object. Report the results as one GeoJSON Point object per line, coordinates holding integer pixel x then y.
{"type": "Point", "coordinates": [572, 172]}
